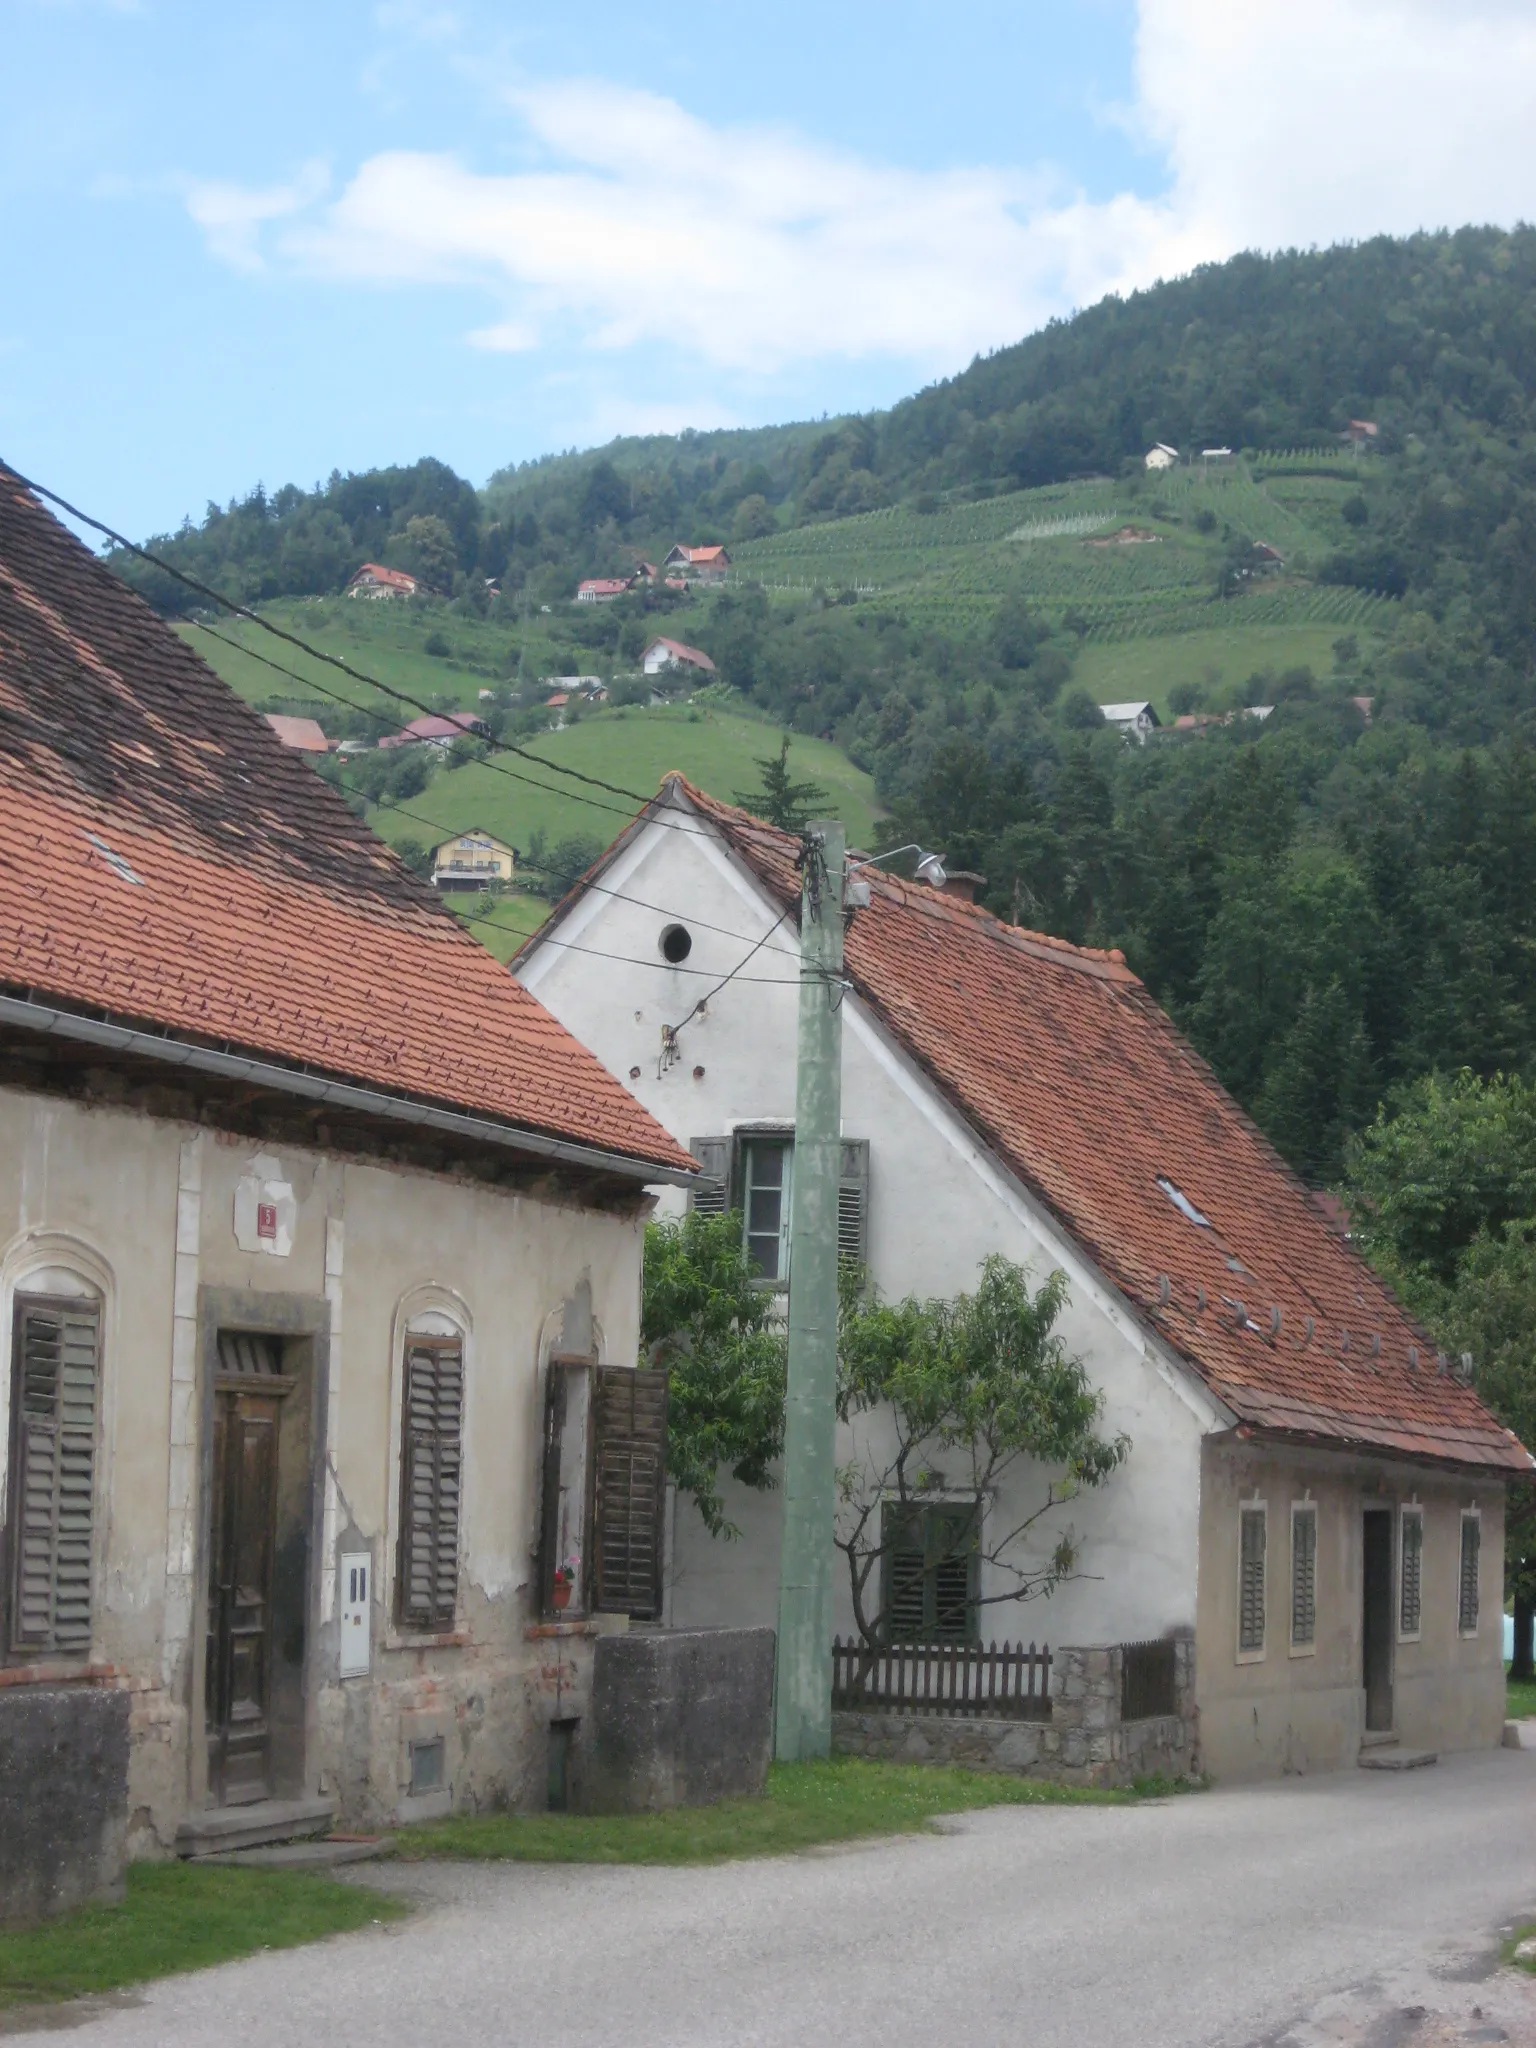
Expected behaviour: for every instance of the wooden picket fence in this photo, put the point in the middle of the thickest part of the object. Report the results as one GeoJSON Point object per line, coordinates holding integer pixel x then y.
{"type": "Point", "coordinates": [1003, 1680]}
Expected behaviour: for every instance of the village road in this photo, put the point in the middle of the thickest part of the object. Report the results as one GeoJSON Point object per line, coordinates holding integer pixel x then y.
{"type": "Point", "coordinates": [1357, 1907]}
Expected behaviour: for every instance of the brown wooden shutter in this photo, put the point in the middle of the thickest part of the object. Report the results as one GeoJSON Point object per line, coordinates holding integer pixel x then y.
{"type": "Point", "coordinates": [853, 1203]}
{"type": "Point", "coordinates": [630, 1462]}
{"type": "Point", "coordinates": [57, 1361]}
{"type": "Point", "coordinates": [431, 1481]}
{"type": "Point", "coordinates": [711, 1197]}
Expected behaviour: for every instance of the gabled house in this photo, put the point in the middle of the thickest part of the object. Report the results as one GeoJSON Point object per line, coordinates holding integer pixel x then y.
{"type": "Point", "coordinates": [303, 1201]}
{"type": "Point", "coordinates": [663, 654]}
{"type": "Point", "coordinates": [438, 729]}
{"type": "Point", "coordinates": [1160, 456]}
{"type": "Point", "coordinates": [701, 565]}
{"type": "Point", "coordinates": [603, 589]}
{"type": "Point", "coordinates": [374, 580]}
{"type": "Point", "coordinates": [1311, 1494]}
{"type": "Point", "coordinates": [1137, 721]}
{"type": "Point", "coordinates": [474, 860]}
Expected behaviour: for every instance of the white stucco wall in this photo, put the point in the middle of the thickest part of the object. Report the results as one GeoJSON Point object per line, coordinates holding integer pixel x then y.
{"type": "Point", "coordinates": [937, 1206]}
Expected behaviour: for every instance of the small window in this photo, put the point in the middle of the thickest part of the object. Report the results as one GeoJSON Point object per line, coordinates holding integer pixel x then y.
{"type": "Point", "coordinates": [431, 1483]}
{"type": "Point", "coordinates": [428, 1766]}
{"type": "Point", "coordinates": [930, 1569]}
{"type": "Point", "coordinates": [1411, 1581]}
{"type": "Point", "coordinates": [1471, 1560]}
{"type": "Point", "coordinates": [1253, 1543]}
{"type": "Point", "coordinates": [1303, 1576]}
{"type": "Point", "coordinates": [55, 1399]}
{"type": "Point", "coordinates": [676, 944]}
{"type": "Point", "coordinates": [767, 1181]}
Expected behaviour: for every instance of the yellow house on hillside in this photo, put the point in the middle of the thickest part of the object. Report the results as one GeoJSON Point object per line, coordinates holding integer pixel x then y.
{"type": "Point", "coordinates": [472, 861]}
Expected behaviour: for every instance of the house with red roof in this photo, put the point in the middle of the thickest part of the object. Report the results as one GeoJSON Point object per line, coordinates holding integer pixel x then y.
{"type": "Point", "coordinates": [304, 735]}
{"type": "Point", "coordinates": [307, 1211]}
{"type": "Point", "coordinates": [374, 580]}
{"type": "Point", "coordinates": [603, 589]}
{"type": "Point", "coordinates": [438, 729]}
{"type": "Point", "coordinates": [1312, 1504]}
{"type": "Point", "coordinates": [700, 565]}
{"type": "Point", "coordinates": [661, 654]}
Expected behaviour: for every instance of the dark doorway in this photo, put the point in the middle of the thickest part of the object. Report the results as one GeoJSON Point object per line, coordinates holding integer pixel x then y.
{"type": "Point", "coordinates": [248, 1400]}
{"type": "Point", "coordinates": [1376, 1629]}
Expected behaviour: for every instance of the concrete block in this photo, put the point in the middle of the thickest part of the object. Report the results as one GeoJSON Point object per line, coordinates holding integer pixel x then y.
{"type": "Point", "coordinates": [676, 1718]}
{"type": "Point", "coordinates": [63, 1798]}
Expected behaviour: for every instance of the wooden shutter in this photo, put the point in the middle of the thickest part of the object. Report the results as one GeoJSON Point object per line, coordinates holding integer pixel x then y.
{"type": "Point", "coordinates": [1471, 1558]}
{"type": "Point", "coordinates": [1410, 1603]}
{"type": "Point", "coordinates": [431, 1483]}
{"type": "Point", "coordinates": [713, 1196]}
{"type": "Point", "coordinates": [930, 1568]}
{"type": "Point", "coordinates": [630, 1462]}
{"type": "Point", "coordinates": [1303, 1576]}
{"type": "Point", "coordinates": [1250, 1626]}
{"type": "Point", "coordinates": [56, 1362]}
{"type": "Point", "coordinates": [853, 1203]}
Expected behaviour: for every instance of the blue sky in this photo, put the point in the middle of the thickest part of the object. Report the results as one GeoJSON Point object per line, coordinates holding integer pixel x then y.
{"type": "Point", "coordinates": [259, 242]}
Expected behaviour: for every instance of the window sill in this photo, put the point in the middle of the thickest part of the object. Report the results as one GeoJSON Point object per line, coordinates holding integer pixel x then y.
{"type": "Point", "coordinates": [1302, 1650]}
{"type": "Point", "coordinates": [58, 1673]}
{"type": "Point", "coordinates": [543, 1631]}
{"type": "Point", "coordinates": [446, 1639]}
{"type": "Point", "coordinates": [1416, 1638]}
{"type": "Point", "coordinates": [1251, 1656]}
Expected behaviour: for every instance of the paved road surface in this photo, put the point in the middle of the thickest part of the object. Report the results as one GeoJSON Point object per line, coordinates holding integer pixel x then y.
{"type": "Point", "coordinates": [1355, 1908]}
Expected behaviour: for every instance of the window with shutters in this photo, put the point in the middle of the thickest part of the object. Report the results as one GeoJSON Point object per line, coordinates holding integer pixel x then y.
{"type": "Point", "coordinates": [1410, 1585]}
{"type": "Point", "coordinates": [55, 1400]}
{"type": "Point", "coordinates": [629, 1464]}
{"type": "Point", "coordinates": [754, 1173]}
{"type": "Point", "coordinates": [1468, 1587]}
{"type": "Point", "coordinates": [1303, 1576]}
{"type": "Point", "coordinates": [1253, 1543]}
{"type": "Point", "coordinates": [930, 1573]}
{"type": "Point", "coordinates": [431, 1482]}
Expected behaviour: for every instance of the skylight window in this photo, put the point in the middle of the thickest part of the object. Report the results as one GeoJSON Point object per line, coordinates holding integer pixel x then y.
{"type": "Point", "coordinates": [1182, 1203]}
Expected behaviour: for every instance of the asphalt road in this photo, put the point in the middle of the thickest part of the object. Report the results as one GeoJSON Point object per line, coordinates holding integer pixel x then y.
{"type": "Point", "coordinates": [1352, 1908]}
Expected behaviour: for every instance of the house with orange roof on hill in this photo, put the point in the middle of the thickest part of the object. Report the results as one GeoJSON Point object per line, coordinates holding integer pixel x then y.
{"type": "Point", "coordinates": [662, 653]}
{"type": "Point", "coordinates": [374, 580]}
{"type": "Point", "coordinates": [308, 1213]}
{"type": "Point", "coordinates": [1308, 1527]}
{"type": "Point", "coordinates": [709, 564]}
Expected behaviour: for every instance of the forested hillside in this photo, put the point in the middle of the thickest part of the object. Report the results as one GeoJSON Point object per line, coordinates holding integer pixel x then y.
{"type": "Point", "coordinates": [1333, 899]}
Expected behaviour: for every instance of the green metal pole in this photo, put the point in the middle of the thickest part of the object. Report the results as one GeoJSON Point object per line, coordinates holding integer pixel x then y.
{"type": "Point", "coordinates": [803, 1677]}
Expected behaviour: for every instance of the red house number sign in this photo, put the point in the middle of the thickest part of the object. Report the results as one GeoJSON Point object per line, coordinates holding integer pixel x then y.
{"type": "Point", "coordinates": [266, 1220]}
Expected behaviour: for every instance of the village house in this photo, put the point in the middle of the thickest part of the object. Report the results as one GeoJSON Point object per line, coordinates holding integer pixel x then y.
{"type": "Point", "coordinates": [1161, 456]}
{"type": "Point", "coordinates": [1137, 721]}
{"type": "Point", "coordinates": [662, 654]}
{"type": "Point", "coordinates": [304, 735]}
{"type": "Point", "coordinates": [304, 1206]}
{"type": "Point", "coordinates": [1312, 1502]}
{"type": "Point", "coordinates": [472, 861]}
{"type": "Point", "coordinates": [438, 729]}
{"type": "Point", "coordinates": [373, 580]}
{"type": "Point", "coordinates": [700, 565]}
{"type": "Point", "coordinates": [603, 589]}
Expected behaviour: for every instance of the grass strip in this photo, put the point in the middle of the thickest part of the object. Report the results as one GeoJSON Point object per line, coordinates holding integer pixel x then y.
{"type": "Point", "coordinates": [806, 1805]}
{"type": "Point", "coordinates": [1521, 1698]}
{"type": "Point", "coordinates": [178, 1916]}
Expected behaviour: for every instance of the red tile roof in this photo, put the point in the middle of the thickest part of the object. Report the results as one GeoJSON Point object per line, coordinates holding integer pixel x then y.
{"type": "Point", "coordinates": [390, 579]}
{"type": "Point", "coordinates": [1064, 1065]}
{"type": "Point", "coordinates": [306, 735]}
{"type": "Point", "coordinates": [694, 657]}
{"type": "Point", "coordinates": [164, 858]}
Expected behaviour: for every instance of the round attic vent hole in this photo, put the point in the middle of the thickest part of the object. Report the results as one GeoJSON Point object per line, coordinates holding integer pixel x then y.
{"type": "Point", "coordinates": [676, 944]}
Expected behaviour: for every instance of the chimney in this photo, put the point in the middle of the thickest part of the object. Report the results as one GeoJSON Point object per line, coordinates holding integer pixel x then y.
{"type": "Point", "coordinates": [963, 883]}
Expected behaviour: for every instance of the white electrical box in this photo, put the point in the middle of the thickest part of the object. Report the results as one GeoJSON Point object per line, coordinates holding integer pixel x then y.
{"type": "Point", "coordinates": [356, 1613]}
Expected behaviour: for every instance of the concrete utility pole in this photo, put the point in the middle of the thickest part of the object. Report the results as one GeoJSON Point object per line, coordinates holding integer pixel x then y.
{"type": "Point", "coordinates": [803, 1679]}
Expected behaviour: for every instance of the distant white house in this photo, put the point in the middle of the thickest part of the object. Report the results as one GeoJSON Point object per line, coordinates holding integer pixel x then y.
{"type": "Point", "coordinates": [603, 589]}
{"type": "Point", "coordinates": [1161, 456]}
{"type": "Point", "coordinates": [472, 861]}
{"type": "Point", "coordinates": [1136, 721]}
{"type": "Point", "coordinates": [374, 580]}
{"type": "Point", "coordinates": [663, 654]}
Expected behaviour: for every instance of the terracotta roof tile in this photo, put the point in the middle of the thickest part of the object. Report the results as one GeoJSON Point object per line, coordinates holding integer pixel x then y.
{"type": "Point", "coordinates": [165, 858]}
{"type": "Point", "coordinates": [1062, 1062]}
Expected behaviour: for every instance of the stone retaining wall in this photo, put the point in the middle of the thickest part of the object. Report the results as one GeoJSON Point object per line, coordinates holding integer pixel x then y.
{"type": "Point", "coordinates": [1084, 1742]}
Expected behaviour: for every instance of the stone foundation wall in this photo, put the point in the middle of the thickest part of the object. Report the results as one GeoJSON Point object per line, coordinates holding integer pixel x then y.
{"type": "Point", "coordinates": [1085, 1742]}
{"type": "Point", "coordinates": [63, 1798]}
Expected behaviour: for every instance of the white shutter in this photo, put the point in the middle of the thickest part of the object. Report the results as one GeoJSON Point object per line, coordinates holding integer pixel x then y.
{"type": "Point", "coordinates": [57, 1363]}
{"type": "Point", "coordinates": [853, 1203]}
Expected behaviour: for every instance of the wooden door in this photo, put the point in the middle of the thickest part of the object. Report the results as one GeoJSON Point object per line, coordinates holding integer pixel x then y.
{"type": "Point", "coordinates": [244, 1514]}
{"type": "Point", "coordinates": [1376, 1622]}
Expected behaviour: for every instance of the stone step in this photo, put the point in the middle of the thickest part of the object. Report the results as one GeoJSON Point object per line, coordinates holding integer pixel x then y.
{"type": "Point", "coordinates": [265, 1821]}
{"type": "Point", "coordinates": [1520, 1734]}
{"type": "Point", "coordinates": [1396, 1758]}
{"type": "Point", "coordinates": [1380, 1738]}
{"type": "Point", "coordinates": [322, 1853]}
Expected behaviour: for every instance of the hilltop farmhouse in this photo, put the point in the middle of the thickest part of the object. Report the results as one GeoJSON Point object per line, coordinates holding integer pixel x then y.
{"type": "Point", "coordinates": [1312, 1500]}
{"type": "Point", "coordinates": [305, 1205]}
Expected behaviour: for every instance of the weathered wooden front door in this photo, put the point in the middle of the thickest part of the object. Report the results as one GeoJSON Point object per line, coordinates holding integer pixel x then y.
{"type": "Point", "coordinates": [1376, 1622]}
{"type": "Point", "coordinates": [239, 1653]}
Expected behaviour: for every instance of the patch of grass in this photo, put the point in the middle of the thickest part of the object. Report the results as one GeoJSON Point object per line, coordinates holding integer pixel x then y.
{"type": "Point", "coordinates": [1124, 671]}
{"type": "Point", "coordinates": [179, 1917]}
{"type": "Point", "coordinates": [1521, 1697]}
{"type": "Point", "coordinates": [1515, 1940]}
{"type": "Point", "coordinates": [806, 1805]}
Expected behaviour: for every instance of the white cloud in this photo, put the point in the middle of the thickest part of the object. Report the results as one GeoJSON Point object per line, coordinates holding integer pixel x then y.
{"type": "Point", "coordinates": [232, 216]}
{"type": "Point", "coordinates": [753, 249]}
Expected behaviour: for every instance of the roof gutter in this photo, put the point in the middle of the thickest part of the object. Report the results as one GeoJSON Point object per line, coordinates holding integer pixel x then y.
{"type": "Point", "coordinates": [177, 1052]}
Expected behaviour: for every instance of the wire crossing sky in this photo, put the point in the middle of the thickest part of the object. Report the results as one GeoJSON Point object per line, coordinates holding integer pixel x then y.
{"type": "Point", "coordinates": [253, 243]}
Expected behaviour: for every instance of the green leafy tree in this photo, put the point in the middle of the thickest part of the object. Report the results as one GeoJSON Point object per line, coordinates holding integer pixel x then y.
{"type": "Point", "coordinates": [781, 801]}
{"type": "Point", "coordinates": [706, 1319]}
{"type": "Point", "coordinates": [754, 518]}
{"type": "Point", "coordinates": [425, 549]}
{"type": "Point", "coordinates": [950, 1399]}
